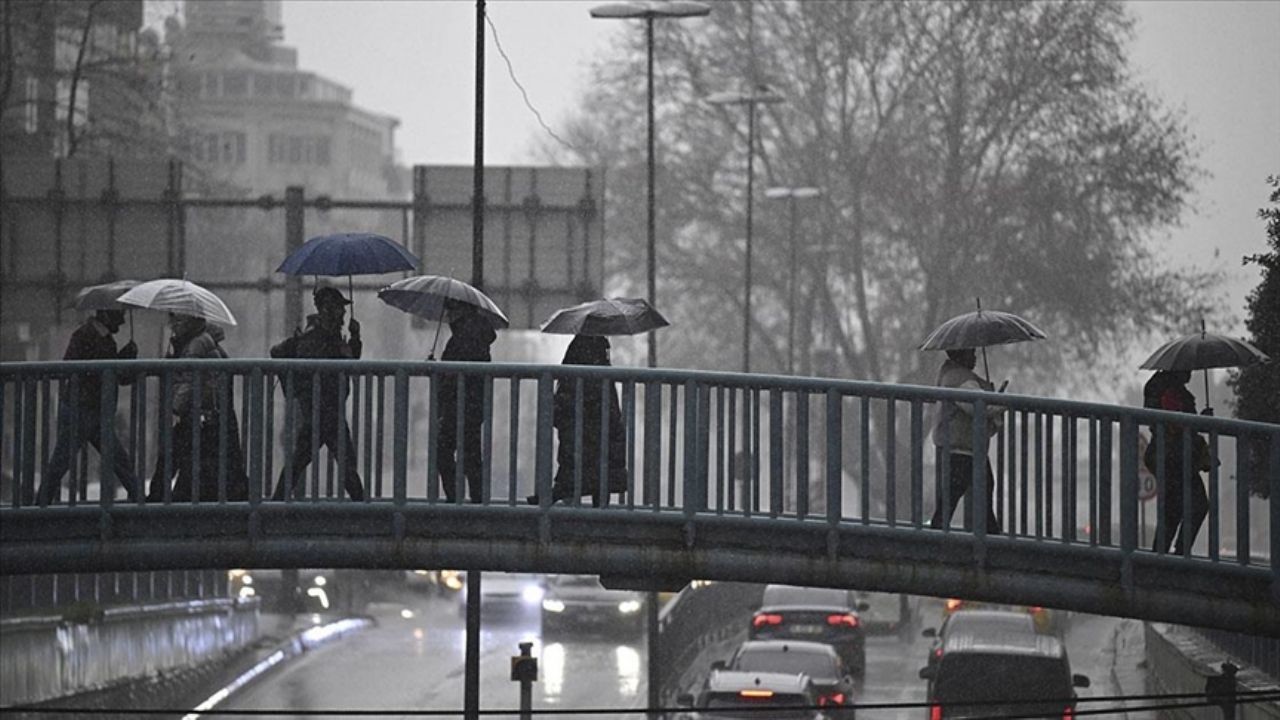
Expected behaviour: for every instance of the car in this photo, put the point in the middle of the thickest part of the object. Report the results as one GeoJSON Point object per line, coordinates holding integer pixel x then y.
{"type": "Point", "coordinates": [735, 695]}
{"type": "Point", "coordinates": [831, 680]}
{"type": "Point", "coordinates": [314, 591]}
{"type": "Point", "coordinates": [437, 582]}
{"type": "Point", "coordinates": [506, 593]}
{"type": "Point", "coordinates": [580, 602]}
{"type": "Point", "coordinates": [1033, 672]}
{"type": "Point", "coordinates": [1046, 619]}
{"type": "Point", "coordinates": [988, 622]}
{"type": "Point", "coordinates": [823, 615]}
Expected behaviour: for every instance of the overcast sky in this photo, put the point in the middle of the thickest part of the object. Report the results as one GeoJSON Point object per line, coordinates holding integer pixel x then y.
{"type": "Point", "coordinates": [414, 60]}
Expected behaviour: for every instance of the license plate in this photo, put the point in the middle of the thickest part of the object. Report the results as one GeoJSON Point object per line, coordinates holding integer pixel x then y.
{"type": "Point", "coordinates": [807, 629]}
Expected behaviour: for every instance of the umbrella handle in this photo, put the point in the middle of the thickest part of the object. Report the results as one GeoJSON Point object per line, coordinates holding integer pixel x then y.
{"type": "Point", "coordinates": [351, 293]}
{"type": "Point", "coordinates": [1206, 384]}
{"type": "Point", "coordinates": [436, 339]}
{"type": "Point", "coordinates": [985, 369]}
{"type": "Point", "coordinates": [131, 325]}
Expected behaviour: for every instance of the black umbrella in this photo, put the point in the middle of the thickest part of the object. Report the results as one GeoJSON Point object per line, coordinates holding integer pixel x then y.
{"type": "Point", "coordinates": [979, 329]}
{"type": "Point", "coordinates": [613, 316]}
{"type": "Point", "coordinates": [1202, 351]}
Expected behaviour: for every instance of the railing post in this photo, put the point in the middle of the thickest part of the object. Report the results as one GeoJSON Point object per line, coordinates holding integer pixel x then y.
{"type": "Point", "coordinates": [652, 444]}
{"type": "Point", "coordinates": [400, 439]}
{"type": "Point", "coordinates": [917, 463]}
{"type": "Point", "coordinates": [254, 441]}
{"type": "Point", "coordinates": [1128, 484]}
{"type": "Point", "coordinates": [778, 483]}
{"type": "Point", "coordinates": [1103, 530]}
{"type": "Point", "coordinates": [1273, 467]}
{"type": "Point", "coordinates": [978, 488]}
{"type": "Point", "coordinates": [695, 492]}
{"type": "Point", "coordinates": [802, 455]}
{"type": "Point", "coordinates": [542, 446]}
{"type": "Point", "coordinates": [107, 439]}
{"type": "Point", "coordinates": [835, 475]}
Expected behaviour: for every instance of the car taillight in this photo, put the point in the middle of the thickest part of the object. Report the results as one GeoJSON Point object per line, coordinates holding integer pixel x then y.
{"type": "Point", "coordinates": [937, 652]}
{"type": "Point", "coordinates": [1068, 713]}
{"type": "Point", "coordinates": [766, 619]}
{"type": "Point", "coordinates": [832, 699]}
{"type": "Point", "coordinates": [954, 604]}
{"type": "Point", "coordinates": [755, 693]}
{"type": "Point", "coordinates": [846, 619]}
{"type": "Point", "coordinates": [935, 712]}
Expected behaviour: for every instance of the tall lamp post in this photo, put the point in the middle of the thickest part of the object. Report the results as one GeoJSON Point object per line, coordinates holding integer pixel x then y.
{"type": "Point", "coordinates": [760, 94]}
{"type": "Point", "coordinates": [649, 11]}
{"type": "Point", "coordinates": [792, 195]}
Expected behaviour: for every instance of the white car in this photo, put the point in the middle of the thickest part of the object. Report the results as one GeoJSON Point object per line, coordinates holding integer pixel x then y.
{"type": "Point", "coordinates": [506, 593]}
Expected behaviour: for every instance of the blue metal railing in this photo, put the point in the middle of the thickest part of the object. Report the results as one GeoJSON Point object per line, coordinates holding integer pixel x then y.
{"type": "Point", "coordinates": [700, 444]}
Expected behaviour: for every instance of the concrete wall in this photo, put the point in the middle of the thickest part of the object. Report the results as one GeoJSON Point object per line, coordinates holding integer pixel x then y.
{"type": "Point", "coordinates": [1179, 661]}
{"type": "Point", "coordinates": [48, 657]}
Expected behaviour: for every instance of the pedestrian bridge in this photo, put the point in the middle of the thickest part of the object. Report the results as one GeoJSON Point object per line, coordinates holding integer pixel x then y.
{"type": "Point", "coordinates": [729, 477]}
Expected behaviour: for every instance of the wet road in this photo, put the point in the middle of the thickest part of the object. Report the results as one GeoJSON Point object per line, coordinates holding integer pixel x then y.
{"type": "Point", "coordinates": [413, 659]}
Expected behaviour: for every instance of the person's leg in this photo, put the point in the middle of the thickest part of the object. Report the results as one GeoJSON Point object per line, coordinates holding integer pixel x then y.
{"type": "Point", "coordinates": [1168, 524]}
{"type": "Point", "coordinates": [178, 459]}
{"type": "Point", "coordinates": [446, 447]}
{"type": "Point", "coordinates": [121, 463]}
{"type": "Point", "coordinates": [70, 438]}
{"type": "Point", "coordinates": [1192, 520]}
{"type": "Point", "coordinates": [993, 522]}
{"type": "Point", "coordinates": [336, 437]}
{"type": "Point", "coordinates": [473, 459]}
{"type": "Point", "coordinates": [961, 475]}
{"type": "Point", "coordinates": [300, 458]}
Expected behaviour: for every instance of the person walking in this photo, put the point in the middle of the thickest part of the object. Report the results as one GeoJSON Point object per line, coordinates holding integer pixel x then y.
{"type": "Point", "coordinates": [584, 459]}
{"type": "Point", "coordinates": [80, 414]}
{"type": "Point", "coordinates": [322, 341]}
{"type": "Point", "coordinates": [470, 337]}
{"type": "Point", "coordinates": [192, 338]}
{"type": "Point", "coordinates": [1167, 390]}
{"type": "Point", "coordinates": [953, 435]}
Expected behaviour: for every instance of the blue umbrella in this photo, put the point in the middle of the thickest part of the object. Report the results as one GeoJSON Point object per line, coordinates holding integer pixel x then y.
{"type": "Point", "coordinates": [348, 254]}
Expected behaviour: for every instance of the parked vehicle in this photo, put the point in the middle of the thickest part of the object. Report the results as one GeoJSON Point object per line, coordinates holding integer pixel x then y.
{"type": "Point", "coordinates": [821, 615]}
{"type": "Point", "coordinates": [733, 695]}
{"type": "Point", "coordinates": [581, 603]}
{"type": "Point", "coordinates": [1001, 670]}
{"type": "Point", "coordinates": [831, 680]}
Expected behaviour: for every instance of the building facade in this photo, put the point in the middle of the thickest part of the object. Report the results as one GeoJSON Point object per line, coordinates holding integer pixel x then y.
{"type": "Point", "coordinates": [257, 121]}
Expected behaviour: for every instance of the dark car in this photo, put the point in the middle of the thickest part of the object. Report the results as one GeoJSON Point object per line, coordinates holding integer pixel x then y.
{"type": "Point", "coordinates": [978, 622]}
{"type": "Point", "coordinates": [581, 603]}
{"type": "Point", "coordinates": [822, 615]}
{"type": "Point", "coordinates": [986, 672]}
{"type": "Point", "coordinates": [831, 680]}
{"type": "Point", "coordinates": [733, 695]}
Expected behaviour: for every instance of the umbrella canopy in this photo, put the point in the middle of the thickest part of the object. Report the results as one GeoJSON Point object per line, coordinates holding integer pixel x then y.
{"type": "Point", "coordinates": [427, 295]}
{"type": "Point", "coordinates": [179, 296]}
{"type": "Point", "coordinates": [103, 297]}
{"type": "Point", "coordinates": [1204, 350]}
{"type": "Point", "coordinates": [348, 254]}
{"type": "Point", "coordinates": [613, 316]}
{"type": "Point", "coordinates": [981, 329]}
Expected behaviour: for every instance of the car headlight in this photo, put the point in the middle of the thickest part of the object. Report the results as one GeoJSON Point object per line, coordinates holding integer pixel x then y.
{"type": "Point", "coordinates": [452, 579]}
{"type": "Point", "coordinates": [532, 594]}
{"type": "Point", "coordinates": [321, 581]}
{"type": "Point", "coordinates": [552, 605]}
{"type": "Point", "coordinates": [627, 607]}
{"type": "Point", "coordinates": [246, 579]}
{"type": "Point", "coordinates": [247, 592]}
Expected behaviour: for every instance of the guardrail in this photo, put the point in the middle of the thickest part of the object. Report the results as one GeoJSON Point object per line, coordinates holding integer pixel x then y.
{"type": "Point", "coordinates": [841, 453]}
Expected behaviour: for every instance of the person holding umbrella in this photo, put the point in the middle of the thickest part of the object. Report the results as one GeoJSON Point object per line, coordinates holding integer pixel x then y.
{"type": "Point", "coordinates": [960, 337]}
{"type": "Point", "coordinates": [79, 415]}
{"type": "Point", "coordinates": [580, 446]}
{"type": "Point", "coordinates": [1167, 390]}
{"type": "Point", "coordinates": [583, 460]}
{"type": "Point", "coordinates": [953, 435]}
{"type": "Point", "coordinates": [193, 338]}
{"type": "Point", "coordinates": [470, 336]}
{"type": "Point", "coordinates": [322, 340]}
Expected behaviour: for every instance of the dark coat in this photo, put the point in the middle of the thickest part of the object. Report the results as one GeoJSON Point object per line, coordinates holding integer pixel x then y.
{"type": "Point", "coordinates": [91, 341]}
{"type": "Point", "coordinates": [469, 341]}
{"type": "Point", "coordinates": [319, 343]}
{"type": "Point", "coordinates": [565, 410]}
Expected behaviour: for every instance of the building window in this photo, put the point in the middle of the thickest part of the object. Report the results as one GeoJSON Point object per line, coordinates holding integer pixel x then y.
{"type": "Point", "coordinates": [284, 85]}
{"type": "Point", "coordinates": [283, 149]}
{"type": "Point", "coordinates": [262, 85]}
{"type": "Point", "coordinates": [220, 148]}
{"type": "Point", "coordinates": [31, 114]}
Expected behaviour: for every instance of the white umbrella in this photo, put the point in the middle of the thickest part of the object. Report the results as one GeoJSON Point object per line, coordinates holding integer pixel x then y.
{"type": "Point", "coordinates": [179, 296]}
{"type": "Point", "coordinates": [428, 295]}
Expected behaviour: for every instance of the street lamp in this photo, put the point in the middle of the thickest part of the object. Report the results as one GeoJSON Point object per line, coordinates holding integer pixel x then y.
{"type": "Point", "coordinates": [761, 94]}
{"type": "Point", "coordinates": [792, 194]}
{"type": "Point", "coordinates": [649, 11]}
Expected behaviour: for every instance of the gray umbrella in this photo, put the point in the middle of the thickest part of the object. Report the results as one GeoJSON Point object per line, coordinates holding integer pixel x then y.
{"type": "Point", "coordinates": [106, 297]}
{"type": "Point", "coordinates": [613, 316]}
{"type": "Point", "coordinates": [1202, 351]}
{"type": "Point", "coordinates": [979, 329]}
